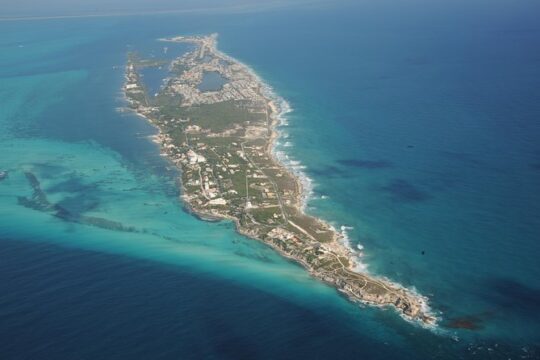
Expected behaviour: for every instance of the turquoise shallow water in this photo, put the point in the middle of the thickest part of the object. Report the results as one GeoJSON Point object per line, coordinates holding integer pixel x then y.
{"type": "Point", "coordinates": [418, 140]}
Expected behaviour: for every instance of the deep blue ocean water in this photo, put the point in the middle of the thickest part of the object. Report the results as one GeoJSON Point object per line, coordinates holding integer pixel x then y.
{"type": "Point", "coordinates": [418, 124]}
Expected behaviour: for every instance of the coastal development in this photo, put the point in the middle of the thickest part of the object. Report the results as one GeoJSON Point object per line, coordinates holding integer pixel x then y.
{"type": "Point", "coordinates": [216, 121]}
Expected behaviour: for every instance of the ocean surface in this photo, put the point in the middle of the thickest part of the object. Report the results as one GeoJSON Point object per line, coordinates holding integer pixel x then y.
{"type": "Point", "coordinates": [418, 125]}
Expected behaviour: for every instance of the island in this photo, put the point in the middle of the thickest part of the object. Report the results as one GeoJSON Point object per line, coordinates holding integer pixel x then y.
{"type": "Point", "coordinates": [216, 121]}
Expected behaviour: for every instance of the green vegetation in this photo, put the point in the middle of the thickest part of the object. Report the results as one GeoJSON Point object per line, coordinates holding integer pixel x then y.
{"type": "Point", "coordinates": [270, 215]}
{"type": "Point", "coordinates": [220, 116]}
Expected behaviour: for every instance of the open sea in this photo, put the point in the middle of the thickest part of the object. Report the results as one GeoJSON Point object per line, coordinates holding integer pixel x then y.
{"type": "Point", "coordinates": [417, 122]}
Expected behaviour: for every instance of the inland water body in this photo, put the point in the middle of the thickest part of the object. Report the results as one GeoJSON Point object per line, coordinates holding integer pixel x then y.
{"type": "Point", "coordinates": [418, 126]}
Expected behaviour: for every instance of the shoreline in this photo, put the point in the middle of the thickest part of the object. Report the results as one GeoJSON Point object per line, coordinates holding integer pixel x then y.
{"type": "Point", "coordinates": [279, 107]}
{"type": "Point", "coordinates": [341, 238]}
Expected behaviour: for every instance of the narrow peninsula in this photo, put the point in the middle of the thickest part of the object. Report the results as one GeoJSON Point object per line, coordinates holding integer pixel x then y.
{"type": "Point", "coordinates": [217, 122]}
